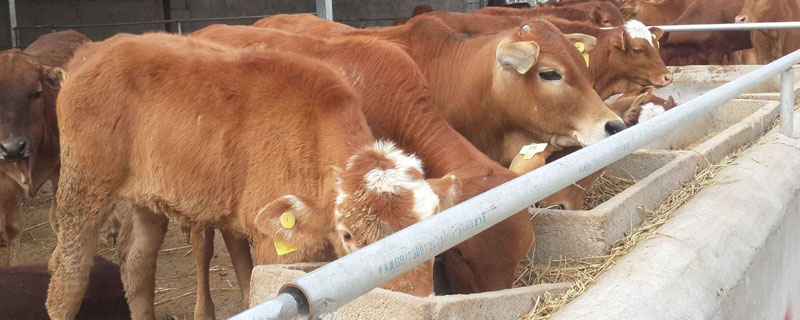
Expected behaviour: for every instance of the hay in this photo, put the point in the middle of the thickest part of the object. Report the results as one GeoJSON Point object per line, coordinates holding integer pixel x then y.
{"type": "Point", "coordinates": [583, 272]}
{"type": "Point", "coordinates": [604, 188]}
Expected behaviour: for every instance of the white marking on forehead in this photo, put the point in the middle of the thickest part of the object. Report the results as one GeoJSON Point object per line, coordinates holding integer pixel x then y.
{"type": "Point", "coordinates": [649, 111]}
{"type": "Point", "coordinates": [636, 29]}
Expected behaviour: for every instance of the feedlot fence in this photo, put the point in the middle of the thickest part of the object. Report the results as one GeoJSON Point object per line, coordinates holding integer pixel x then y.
{"type": "Point", "coordinates": [331, 286]}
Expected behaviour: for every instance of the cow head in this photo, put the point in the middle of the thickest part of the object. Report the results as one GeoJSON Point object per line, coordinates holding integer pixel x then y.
{"type": "Point", "coordinates": [541, 84]}
{"type": "Point", "coordinates": [383, 190]}
{"type": "Point", "coordinates": [28, 92]}
{"type": "Point", "coordinates": [630, 9]}
{"type": "Point", "coordinates": [639, 106]}
{"type": "Point", "coordinates": [754, 11]}
{"type": "Point", "coordinates": [637, 52]}
{"type": "Point", "coordinates": [605, 14]}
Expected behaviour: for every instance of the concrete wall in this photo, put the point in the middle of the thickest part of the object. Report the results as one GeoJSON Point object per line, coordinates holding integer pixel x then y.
{"type": "Point", "coordinates": [79, 12]}
{"type": "Point", "coordinates": [5, 28]}
{"type": "Point", "coordinates": [359, 13]}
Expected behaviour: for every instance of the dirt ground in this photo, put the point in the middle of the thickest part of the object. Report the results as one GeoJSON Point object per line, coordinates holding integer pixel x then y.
{"type": "Point", "coordinates": [175, 277]}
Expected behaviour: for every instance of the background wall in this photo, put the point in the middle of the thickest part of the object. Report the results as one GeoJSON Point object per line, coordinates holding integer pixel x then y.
{"type": "Point", "coordinates": [358, 13]}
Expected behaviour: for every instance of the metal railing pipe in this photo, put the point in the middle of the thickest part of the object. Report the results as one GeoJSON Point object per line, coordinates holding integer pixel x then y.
{"type": "Point", "coordinates": [12, 22]}
{"type": "Point", "coordinates": [349, 277]}
{"type": "Point", "coordinates": [732, 26]}
{"type": "Point", "coordinates": [787, 102]}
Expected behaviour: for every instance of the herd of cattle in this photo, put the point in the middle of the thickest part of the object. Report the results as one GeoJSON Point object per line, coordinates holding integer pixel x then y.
{"type": "Point", "coordinates": [309, 139]}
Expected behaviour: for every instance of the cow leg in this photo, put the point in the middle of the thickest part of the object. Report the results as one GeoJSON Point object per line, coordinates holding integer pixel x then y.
{"type": "Point", "coordinates": [140, 238]}
{"type": "Point", "coordinates": [10, 198]}
{"type": "Point", "coordinates": [79, 215]}
{"type": "Point", "coordinates": [202, 239]}
{"type": "Point", "coordinates": [239, 250]}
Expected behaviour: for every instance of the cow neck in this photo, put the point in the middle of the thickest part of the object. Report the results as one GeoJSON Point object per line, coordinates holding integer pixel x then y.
{"type": "Point", "coordinates": [459, 72]}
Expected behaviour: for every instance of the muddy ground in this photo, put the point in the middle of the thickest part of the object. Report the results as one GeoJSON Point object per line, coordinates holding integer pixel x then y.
{"type": "Point", "coordinates": [175, 277]}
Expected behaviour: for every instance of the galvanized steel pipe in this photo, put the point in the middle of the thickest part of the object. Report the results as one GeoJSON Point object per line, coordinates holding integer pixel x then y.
{"type": "Point", "coordinates": [732, 26]}
{"type": "Point", "coordinates": [12, 22]}
{"type": "Point", "coordinates": [349, 277]}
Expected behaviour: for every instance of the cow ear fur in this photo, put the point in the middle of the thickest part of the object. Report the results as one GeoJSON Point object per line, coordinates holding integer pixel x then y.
{"type": "Point", "coordinates": [448, 189]}
{"type": "Point", "coordinates": [588, 41]}
{"type": "Point", "coordinates": [53, 76]}
{"type": "Point", "coordinates": [520, 55]}
{"type": "Point", "coordinates": [293, 220]}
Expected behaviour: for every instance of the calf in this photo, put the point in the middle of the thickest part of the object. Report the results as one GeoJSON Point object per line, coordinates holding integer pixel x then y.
{"type": "Point", "coordinates": [634, 107]}
{"type": "Point", "coordinates": [397, 106]}
{"type": "Point", "coordinates": [705, 47]}
{"type": "Point", "coordinates": [771, 44]}
{"type": "Point", "coordinates": [256, 149]}
{"type": "Point", "coordinates": [487, 87]}
{"type": "Point", "coordinates": [624, 59]}
{"type": "Point", "coordinates": [29, 82]}
{"type": "Point", "coordinates": [641, 105]}
{"type": "Point", "coordinates": [24, 290]}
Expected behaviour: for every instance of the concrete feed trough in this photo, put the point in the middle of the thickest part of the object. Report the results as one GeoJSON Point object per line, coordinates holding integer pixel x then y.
{"type": "Point", "coordinates": [658, 172]}
{"type": "Point", "coordinates": [382, 304]}
{"type": "Point", "coordinates": [692, 81]}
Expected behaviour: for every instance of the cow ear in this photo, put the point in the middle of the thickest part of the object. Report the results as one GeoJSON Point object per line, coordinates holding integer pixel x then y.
{"type": "Point", "coordinates": [657, 33]}
{"type": "Point", "coordinates": [448, 189]}
{"type": "Point", "coordinates": [53, 76]}
{"type": "Point", "coordinates": [643, 97]}
{"type": "Point", "coordinates": [620, 40]}
{"type": "Point", "coordinates": [292, 222]}
{"type": "Point", "coordinates": [520, 56]}
{"type": "Point", "coordinates": [670, 103]}
{"type": "Point", "coordinates": [588, 41]}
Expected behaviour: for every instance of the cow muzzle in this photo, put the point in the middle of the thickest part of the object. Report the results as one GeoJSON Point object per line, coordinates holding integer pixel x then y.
{"type": "Point", "coordinates": [15, 149]}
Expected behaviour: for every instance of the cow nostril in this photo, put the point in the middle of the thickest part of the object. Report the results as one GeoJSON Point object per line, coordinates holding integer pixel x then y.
{"type": "Point", "coordinates": [741, 19]}
{"type": "Point", "coordinates": [613, 127]}
{"type": "Point", "coordinates": [667, 78]}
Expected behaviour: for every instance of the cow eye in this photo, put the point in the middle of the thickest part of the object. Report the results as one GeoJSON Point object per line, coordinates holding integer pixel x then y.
{"type": "Point", "coordinates": [347, 236]}
{"type": "Point", "coordinates": [550, 75]}
{"type": "Point", "coordinates": [37, 95]}
{"type": "Point", "coordinates": [638, 50]}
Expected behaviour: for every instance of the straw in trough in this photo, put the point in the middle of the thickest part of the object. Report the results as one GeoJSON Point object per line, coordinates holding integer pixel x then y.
{"type": "Point", "coordinates": [583, 272]}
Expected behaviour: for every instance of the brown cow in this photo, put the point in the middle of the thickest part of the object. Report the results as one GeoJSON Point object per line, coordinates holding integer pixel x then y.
{"type": "Point", "coordinates": [618, 62]}
{"type": "Point", "coordinates": [601, 14]}
{"type": "Point", "coordinates": [473, 79]}
{"type": "Point", "coordinates": [624, 59]}
{"type": "Point", "coordinates": [705, 47]}
{"type": "Point", "coordinates": [641, 105]}
{"type": "Point", "coordinates": [24, 290]}
{"type": "Point", "coordinates": [418, 10]}
{"type": "Point", "coordinates": [634, 107]}
{"type": "Point", "coordinates": [772, 44]}
{"type": "Point", "coordinates": [654, 13]}
{"type": "Point", "coordinates": [29, 82]}
{"type": "Point", "coordinates": [382, 68]}
{"type": "Point", "coordinates": [254, 149]}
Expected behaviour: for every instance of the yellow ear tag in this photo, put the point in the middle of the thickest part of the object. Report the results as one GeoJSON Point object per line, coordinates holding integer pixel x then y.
{"type": "Point", "coordinates": [586, 57]}
{"type": "Point", "coordinates": [282, 248]}
{"type": "Point", "coordinates": [63, 75]}
{"type": "Point", "coordinates": [287, 220]}
{"type": "Point", "coordinates": [581, 47]}
{"type": "Point", "coordinates": [531, 150]}
{"type": "Point", "coordinates": [658, 45]}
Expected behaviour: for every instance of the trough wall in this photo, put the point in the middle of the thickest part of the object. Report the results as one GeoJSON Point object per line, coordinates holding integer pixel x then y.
{"type": "Point", "coordinates": [731, 252]}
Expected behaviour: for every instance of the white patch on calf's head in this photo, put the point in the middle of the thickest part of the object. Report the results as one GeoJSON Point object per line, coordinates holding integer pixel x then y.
{"type": "Point", "coordinates": [426, 202]}
{"type": "Point", "coordinates": [649, 111]}
{"type": "Point", "coordinates": [638, 30]}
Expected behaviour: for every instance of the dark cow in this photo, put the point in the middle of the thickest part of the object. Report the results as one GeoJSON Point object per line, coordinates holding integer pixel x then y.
{"type": "Point", "coordinates": [29, 84]}
{"type": "Point", "coordinates": [23, 290]}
